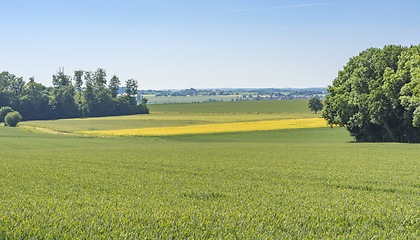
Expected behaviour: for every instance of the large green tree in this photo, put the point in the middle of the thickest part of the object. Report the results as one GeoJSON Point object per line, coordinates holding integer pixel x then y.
{"type": "Point", "coordinates": [374, 96]}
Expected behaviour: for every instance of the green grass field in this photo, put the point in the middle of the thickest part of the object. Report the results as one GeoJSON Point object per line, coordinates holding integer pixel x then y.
{"type": "Point", "coordinates": [189, 99]}
{"type": "Point", "coordinates": [174, 115]}
{"type": "Point", "coordinates": [279, 106]}
{"type": "Point", "coordinates": [285, 184]}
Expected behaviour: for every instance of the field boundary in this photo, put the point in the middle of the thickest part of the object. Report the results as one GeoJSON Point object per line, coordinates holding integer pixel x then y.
{"type": "Point", "coordinates": [42, 130]}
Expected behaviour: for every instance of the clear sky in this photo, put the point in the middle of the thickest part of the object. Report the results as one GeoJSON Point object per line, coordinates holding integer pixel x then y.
{"type": "Point", "coordinates": [167, 44]}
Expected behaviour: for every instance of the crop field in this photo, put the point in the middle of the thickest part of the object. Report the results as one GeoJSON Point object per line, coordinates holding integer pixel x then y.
{"type": "Point", "coordinates": [279, 106]}
{"type": "Point", "coordinates": [217, 128]}
{"type": "Point", "coordinates": [181, 115]}
{"type": "Point", "coordinates": [311, 183]}
{"type": "Point", "coordinates": [159, 119]}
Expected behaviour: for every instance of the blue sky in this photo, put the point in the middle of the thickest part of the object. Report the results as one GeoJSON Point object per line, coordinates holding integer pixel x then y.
{"type": "Point", "coordinates": [202, 44]}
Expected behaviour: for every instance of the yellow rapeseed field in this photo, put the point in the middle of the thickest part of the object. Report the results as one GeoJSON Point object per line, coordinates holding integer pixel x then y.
{"type": "Point", "coordinates": [218, 128]}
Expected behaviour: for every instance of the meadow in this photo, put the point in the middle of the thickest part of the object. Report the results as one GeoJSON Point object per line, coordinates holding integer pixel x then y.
{"type": "Point", "coordinates": [189, 99]}
{"type": "Point", "coordinates": [177, 115]}
{"type": "Point", "coordinates": [311, 183]}
{"type": "Point", "coordinates": [283, 106]}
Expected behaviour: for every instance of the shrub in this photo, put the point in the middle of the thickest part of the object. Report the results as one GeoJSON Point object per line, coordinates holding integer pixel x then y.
{"type": "Point", "coordinates": [4, 111]}
{"type": "Point", "coordinates": [12, 119]}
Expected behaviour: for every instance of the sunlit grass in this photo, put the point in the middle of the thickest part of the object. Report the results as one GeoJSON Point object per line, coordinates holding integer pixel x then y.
{"type": "Point", "coordinates": [180, 115]}
{"type": "Point", "coordinates": [218, 128]}
{"type": "Point", "coordinates": [280, 106]}
{"type": "Point", "coordinates": [159, 119]}
{"type": "Point", "coordinates": [286, 184]}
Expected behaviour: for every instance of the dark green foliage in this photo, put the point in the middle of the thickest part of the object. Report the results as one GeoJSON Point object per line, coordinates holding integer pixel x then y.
{"type": "Point", "coordinates": [35, 102]}
{"type": "Point", "coordinates": [65, 100]}
{"type": "Point", "coordinates": [315, 104]}
{"type": "Point", "coordinates": [10, 90]}
{"type": "Point", "coordinates": [376, 95]}
{"type": "Point", "coordinates": [99, 79]}
{"type": "Point", "coordinates": [106, 106]}
{"type": "Point", "coordinates": [12, 119]}
{"type": "Point", "coordinates": [78, 82]}
{"type": "Point", "coordinates": [61, 79]}
{"type": "Point", "coordinates": [4, 111]}
{"type": "Point", "coordinates": [140, 108]}
{"type": "Point", "coordinates": [131, 88]}
{"type": "Point", "coordinates": [114, 85]}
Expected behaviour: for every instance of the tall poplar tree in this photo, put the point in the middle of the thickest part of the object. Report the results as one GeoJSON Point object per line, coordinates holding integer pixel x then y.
{"type": "Point", "coordinates": [114, 86]}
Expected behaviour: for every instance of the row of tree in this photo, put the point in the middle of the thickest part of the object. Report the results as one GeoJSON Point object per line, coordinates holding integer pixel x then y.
{"type": "Point", "coordinates": [86, 94]}
{"type": "Point", "coordinates": [377, 95]}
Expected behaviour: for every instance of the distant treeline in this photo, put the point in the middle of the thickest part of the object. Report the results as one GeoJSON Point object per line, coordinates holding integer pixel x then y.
{"type": "Point", "coordinates": [86, 94]}
{"type": "Point", "coordinates": [273, 92]}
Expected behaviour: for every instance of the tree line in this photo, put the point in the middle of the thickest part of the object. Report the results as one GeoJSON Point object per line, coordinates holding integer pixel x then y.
{"type": "Point", "coordinates": [377, 95]}
{"type": "Point", "coordinates": [86, 94]}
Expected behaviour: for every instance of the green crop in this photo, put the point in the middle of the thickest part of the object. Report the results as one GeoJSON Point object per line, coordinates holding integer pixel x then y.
{"type": "Point", "coordinates": [278, 106]}
{"type": "Point", "coordinates": [302, 184]}
{"type": "Point", "coordinates": [176, 115]}
{"type": "Point", "coordinates": [284, 184]}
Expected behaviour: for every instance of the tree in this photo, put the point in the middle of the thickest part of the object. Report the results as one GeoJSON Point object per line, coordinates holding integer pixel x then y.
{"type": "Point", "coordinates": [88, 78]}
{"type": "Point", "coordinates": [60, 79]}
{"type": "Point", "coordinates": [78, 81]}
{"type": "Point", "coordinates": [90, 102]}
{"type": "Point", "coordinates": [12, 119]}
{"type": "Point", "coordinates": [34, 103]}
{"type": "Point", "coordinates": [4, 111]}
{"type": "Point", "coordinates": [11, 88]}
{"type": "Point", "coordinates": [16, 84]}
{"type": "Point", "coordinates": [63, 103]}
{"type": "Point", "coordinates": [131, 91]}
{"type": "Point", "coordinates": [105, 103]}
{"type": "Point", "coordinates": [114, 86]}
{"type": "Point", "coordinates": [65, 100]}
{"type": "Point", "coordinates": [99, 79]}
{"type": "Point", "coordinates": [315, 104]}
{"type": "Point", "coordinates": [376, 96]}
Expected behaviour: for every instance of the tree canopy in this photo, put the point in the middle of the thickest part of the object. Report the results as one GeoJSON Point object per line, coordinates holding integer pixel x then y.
{"type": "Point", "coordinates": [315, 104]}
{"type": "Point", "coordinates": [377, 95]}
{"type": "Point", "coordinates": [69, 97]}
{"type": "Point", "coordinates": [4, 111]}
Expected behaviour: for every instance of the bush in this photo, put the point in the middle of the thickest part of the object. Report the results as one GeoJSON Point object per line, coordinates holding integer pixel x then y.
{"type": "Point", "coordinates": [4, 111]}
{"type": "Point", "coordinates": [12, 119]}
